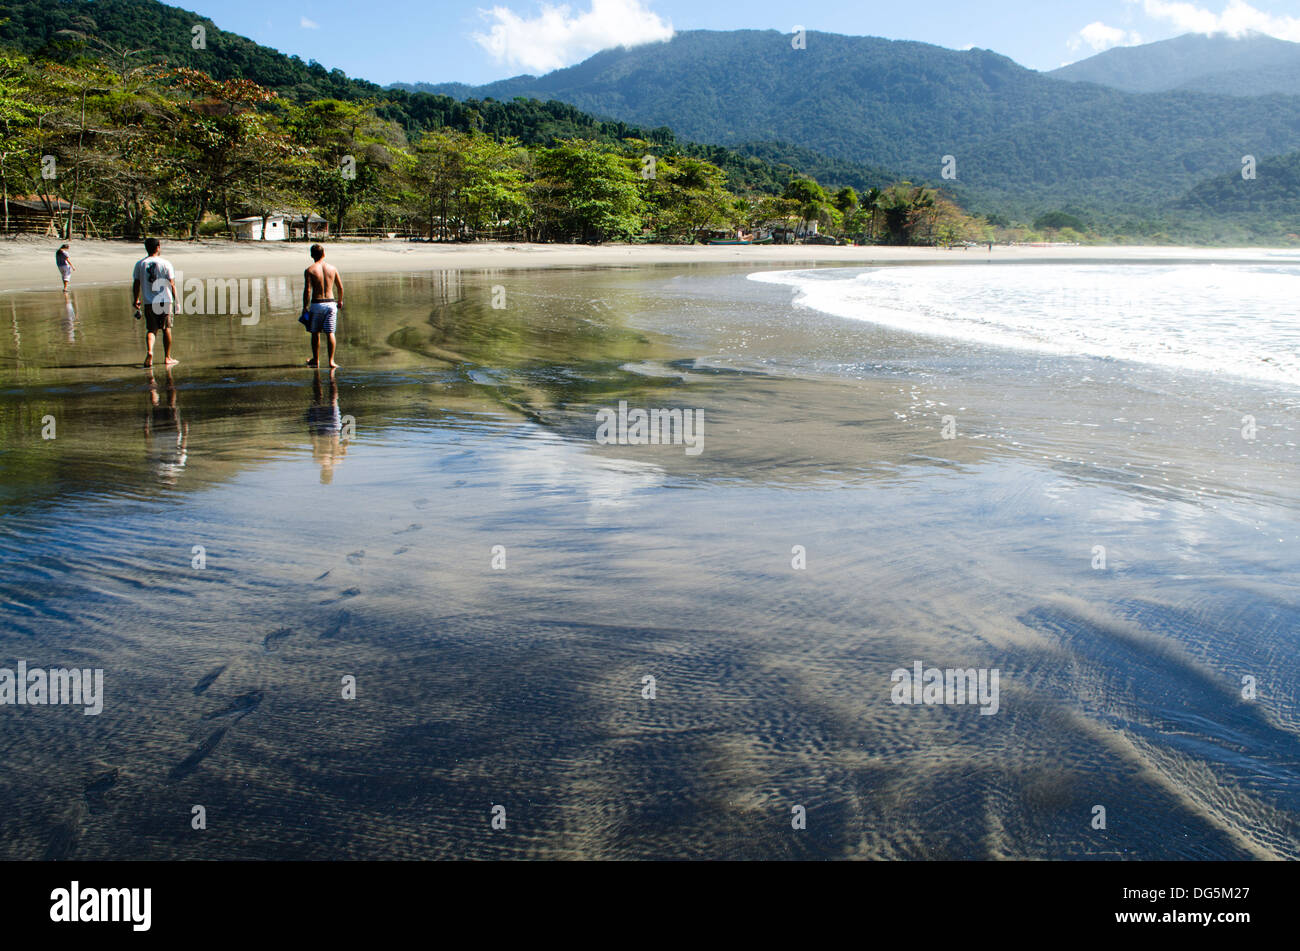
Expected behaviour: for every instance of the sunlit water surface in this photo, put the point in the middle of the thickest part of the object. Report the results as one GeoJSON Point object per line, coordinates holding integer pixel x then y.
{"type": "Point", "coordinates": [231, 540]}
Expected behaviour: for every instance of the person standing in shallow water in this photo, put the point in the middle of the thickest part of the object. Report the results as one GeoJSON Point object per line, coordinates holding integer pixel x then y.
{"type": "Point", "coordinates": [322, 282]}
{"type": "Point", "coordinates": [65, 265]}
{"type": "Point", "coordinates": [154, 280]}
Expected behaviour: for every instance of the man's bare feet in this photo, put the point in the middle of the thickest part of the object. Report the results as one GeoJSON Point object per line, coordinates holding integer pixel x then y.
{"type": "Point", "coordinates": [334, 366]}
{"type": "Point", "coordinates": [312, 363]}
{"type": "Point", "coordinates": [171, 362]}
{"type": "Point", "coordinates": [148, 361]}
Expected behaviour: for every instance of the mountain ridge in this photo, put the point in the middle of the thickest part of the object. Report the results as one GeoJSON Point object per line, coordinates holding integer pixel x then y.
{"type": "Point", "coordinates": [1253, 64]}
{"type": "Point", "coordinates": [1020, 138]}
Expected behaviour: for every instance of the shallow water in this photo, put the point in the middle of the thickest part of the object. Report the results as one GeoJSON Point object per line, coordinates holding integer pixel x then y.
{"type": "Point", "coordinates": [351, 528]}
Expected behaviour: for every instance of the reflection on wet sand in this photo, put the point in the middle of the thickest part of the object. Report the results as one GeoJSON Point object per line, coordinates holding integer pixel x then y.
{"type": "Point", "coordinates": [166, 435]}
{"type": "Point", "coordinates": [325, 424]}
{"type": "Point", "coordinates": [69, 317]}
{"type": "Point", "coordinates": [519, 679]}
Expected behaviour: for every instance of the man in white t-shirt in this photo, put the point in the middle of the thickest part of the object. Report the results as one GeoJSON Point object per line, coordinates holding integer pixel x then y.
{"type": "Point", "coordinates": [154, 280]}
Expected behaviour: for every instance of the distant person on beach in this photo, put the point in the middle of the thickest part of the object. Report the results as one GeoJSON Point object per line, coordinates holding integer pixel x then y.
{"type": "Point", "coordinates": [319, 303]}
{"type": "Point", "coordinates": [65, 265]}
{"type": "Point", "coordinates": [154, 279]}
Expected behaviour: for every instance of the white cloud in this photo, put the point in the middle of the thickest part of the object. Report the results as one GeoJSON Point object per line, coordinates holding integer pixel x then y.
{"type": "Point", "coordinates": [557, 37]}
{"type": "Point", "coordinates": [1098, 36]}
{"type": "Point", "coordinates": [308, 24]}
{"type": "Point", "coordinates": [1238, 17]}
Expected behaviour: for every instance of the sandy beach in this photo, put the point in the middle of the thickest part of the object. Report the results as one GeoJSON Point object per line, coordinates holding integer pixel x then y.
{"type": "Point", "coordinates": [994, 468]}
{"type": "Point", "coordinates": [28, 263]}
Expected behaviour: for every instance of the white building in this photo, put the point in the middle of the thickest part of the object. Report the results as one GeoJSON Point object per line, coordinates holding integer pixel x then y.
{"type": "Point", "coordinates": [279, 226]}
{"type": "Point", "coordinates": [250, 229]}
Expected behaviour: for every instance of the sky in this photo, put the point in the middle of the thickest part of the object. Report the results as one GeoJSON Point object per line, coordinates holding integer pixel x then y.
{"type": "Point", "coordinates": [477, 41]}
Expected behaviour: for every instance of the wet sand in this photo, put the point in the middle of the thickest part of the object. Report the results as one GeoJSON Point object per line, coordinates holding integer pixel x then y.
{"type": "Point", "coordinates": [28, 263]}
{"type": "Point", "coordinates": [373, 553]}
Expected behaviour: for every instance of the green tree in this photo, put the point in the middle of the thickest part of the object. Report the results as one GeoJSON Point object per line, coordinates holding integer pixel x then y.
{"type": "Point", "coordinates": [586, 192]}
{"type": "Point", "coordinates": [687, 198]}
{"type": "Point", "coordinates": [16, 120]}
{"type": "Point", "coordinates": [353, 152]}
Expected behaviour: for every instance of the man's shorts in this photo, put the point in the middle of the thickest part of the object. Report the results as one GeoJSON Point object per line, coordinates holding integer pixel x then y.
{"type": "Point", "coordinates": [66, 271]}
{"type": "Point", "coordinates": [324, 316]}
{"type": "Point", "coordinates": [155, 322]}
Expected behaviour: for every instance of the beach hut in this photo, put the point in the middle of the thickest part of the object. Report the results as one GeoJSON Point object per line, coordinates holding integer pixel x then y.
{"type": "Point", "coordinates": [33, 214]}
{"type": "Point", "coordinates": [309, 225]}
{"type": "Point", "coordinates": [281, 225]}
{"type": "Point", "coordinates": [250, 228]}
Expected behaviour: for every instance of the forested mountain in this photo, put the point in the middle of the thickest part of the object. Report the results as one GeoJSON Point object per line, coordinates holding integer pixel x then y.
{"type": "Point", "coordinates": [164, 33]}
{"type": "Point", "coordinates": [846, 111]}
{"type": "Point", "coordinates": [113, 121]}
{"type": "Point", "coordinates": [1273, 193]}
{"type": "Point", "coordinates": [1250, 65]}
{"type": "Point", "coordinates": [1022, 140]}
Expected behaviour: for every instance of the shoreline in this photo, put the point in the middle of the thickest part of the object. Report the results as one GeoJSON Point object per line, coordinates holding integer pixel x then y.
{"type": "Point", "coordinates": [27, 264]}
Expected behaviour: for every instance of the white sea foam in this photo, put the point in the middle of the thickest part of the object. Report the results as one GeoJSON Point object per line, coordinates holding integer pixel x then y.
{"type": "Point", "coordinates": [1234, 319]}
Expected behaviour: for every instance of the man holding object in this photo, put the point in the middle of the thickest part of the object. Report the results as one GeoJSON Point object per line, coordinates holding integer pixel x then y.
{"type": "Point", "coordinates": [322, 296]}
{"type": "Point", "coordinates": [154, 279]}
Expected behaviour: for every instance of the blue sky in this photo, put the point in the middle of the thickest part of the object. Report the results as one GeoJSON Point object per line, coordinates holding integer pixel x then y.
{"type": "Point", "coordinates": [476, 41]}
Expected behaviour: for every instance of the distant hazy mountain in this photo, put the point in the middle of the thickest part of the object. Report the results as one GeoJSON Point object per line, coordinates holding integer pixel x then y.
{"type": "Point", "coordinates": [1020, 138]}
{"type": "Point", "coordinates": [1250, 65]}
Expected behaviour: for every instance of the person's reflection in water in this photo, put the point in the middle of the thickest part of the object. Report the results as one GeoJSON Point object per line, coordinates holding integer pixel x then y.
{"type": "Point", "coordinates": [70, 319]}
{"type": "Point", "coordinates": [166, 438]}
{"type": "Point", "coordinates": [325, 424]}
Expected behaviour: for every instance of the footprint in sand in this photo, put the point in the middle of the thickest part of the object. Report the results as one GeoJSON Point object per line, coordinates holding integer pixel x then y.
{"type": "Point", "coordinates": [272, 640]}
{"type": "Point", "coordinates": [336, 626]}
{"type": "Point", "coordinates": [241, 706]}
{"type": "Point", "coordinates": [98, 788]}
{"type": "Point", "coordinates": [413, 527]}
{"type": "Point", "coordinates": [355, 557]}
{"type": "Point", "coordinates": [62, 842]}
{"type": "Point", "coordinates": [343, 596]}
{"type": "Point", "coordinates": [208, 679]}
{"type": "Point", "coordinates": [323, 576]}
{"type": "Point", "coordinates": [401, 551]}
{"type": "Point", "coordinates": [190, 763]}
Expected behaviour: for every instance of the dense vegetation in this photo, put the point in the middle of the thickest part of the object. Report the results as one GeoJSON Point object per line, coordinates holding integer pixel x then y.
{"type": "Point", "coordinates": [39, 28]}
{"type": "Point", "coordinates": [1024, 143]}
{"type": "Point", "coordinates": [150, 147]}
{"type": "Point", "coordinates": [1037, 158]}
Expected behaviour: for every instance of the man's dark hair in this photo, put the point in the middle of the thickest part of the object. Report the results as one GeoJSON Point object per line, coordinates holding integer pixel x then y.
{"type": "Point", "coordinates": [151, 245]}
{"type": "Point", "coordinates": [62, 246]}
{"type": "Point", "coordinates": [317, 252]}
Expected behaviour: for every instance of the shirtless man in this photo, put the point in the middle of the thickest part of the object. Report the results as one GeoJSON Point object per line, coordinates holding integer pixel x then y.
{"type": "Point", "coordinates": [319, 303]}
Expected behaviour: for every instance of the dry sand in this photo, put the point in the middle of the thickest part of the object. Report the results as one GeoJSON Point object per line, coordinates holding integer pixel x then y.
{"type": "Point", "coordinates": [28, 263]}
